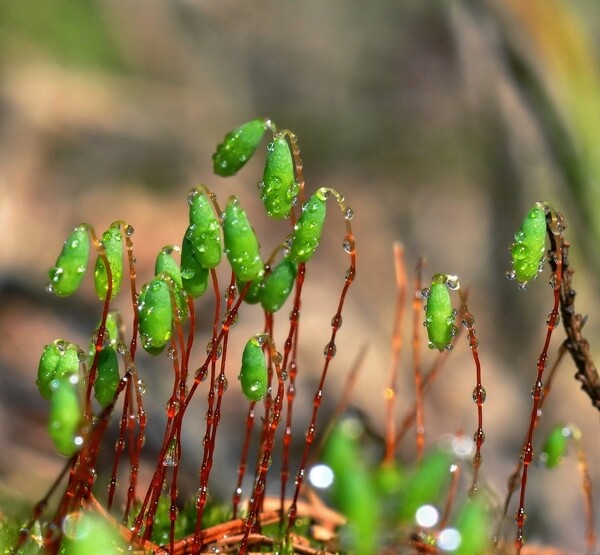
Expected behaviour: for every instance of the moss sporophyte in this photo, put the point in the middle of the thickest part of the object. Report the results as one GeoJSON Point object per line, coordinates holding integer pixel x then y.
{"type": "Point", "coordinates": [366, 503]}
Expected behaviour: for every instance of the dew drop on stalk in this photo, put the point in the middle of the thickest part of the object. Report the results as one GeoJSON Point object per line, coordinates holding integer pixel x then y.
{"type": "Point", "coordinates": [336, 321]}
{"type": "Point", "coordinates": [172, 408]}
{"type": "Point", "coordinates": [330, 349]}
{"type": "Point", "coordinates": [479, 394]}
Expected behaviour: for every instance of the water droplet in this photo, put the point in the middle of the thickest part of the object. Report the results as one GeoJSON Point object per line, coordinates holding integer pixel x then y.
{"type": "Point", "coordinates": [330, 349]}
{"type": "Point", "coordinates": [230, 319]}
{"type": "Point", "coordinates": [141, 385]}
{"type": "Point", "coordinates": [71, 528]}
{"type": "Point", "coordinates": [171, 458]}
{"type": "Point", "coordinates": [479, 394]}
{"type": "Point", "coordinates": [527, 454]}
{"type": "Point", "coordinates": [336, 321]}
{"type": "Point", "coordinates": [479, 436]}
{"type": "Point", "coordinates": [277, 358]}
{"type": "Point", "coordinates": [348, 214]}
{"type": "Point", "coordinates": [537, 391]}
{"type": "Point", "coordinates": [129, 230]}
{"type": "Point", "coordinates": [172, 408]}
{"type": "Point", "coordinates": [347, 245]}
{"type": "Point", "coordinates": [271, 147]}
{"type": "Point", "coordinates": [519, 251]}
{"type": "Point", "coordinates": [222, 383]}
{"type": "Point", "coordinates": [452, 283]}
{"type": "Point", "coordinates": [218, 351]}
{"type": "Point", "coordinates": [522, 285]}
{"type": "Point", "coordinates": [423, 294]}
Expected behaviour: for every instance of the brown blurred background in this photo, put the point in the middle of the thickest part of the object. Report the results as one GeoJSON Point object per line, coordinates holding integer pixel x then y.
{"type": "Point", "coordinates": [442, 123]}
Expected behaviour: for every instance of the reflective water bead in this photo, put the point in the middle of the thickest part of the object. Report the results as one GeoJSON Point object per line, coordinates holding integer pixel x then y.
{"type": "Point", "coordinates": [253, 373]}
{"type": "Point", "coordinates": [238, 147]}
{"type": "Point", "coordinates": [479, 394]}
{"type": "Point", "coordinates": [218, 351]}
{"type": "Point", "coordinates": [68, 272]}
{"type": "Point", "coordinates": [330, 349]}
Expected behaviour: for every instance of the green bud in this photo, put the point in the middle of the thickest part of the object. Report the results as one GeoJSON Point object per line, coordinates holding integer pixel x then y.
{"type": "Point", "coordinates": [253, 374]}
{"type": "Point", "coordinates": [241, 244]}
{"type": "Point", "coordinates": [278, 285]}
{"type": "Point", "coordinates": [238, 147]}
{"type": "Point", "coordinates": [66, 276]}
{"type": "Point", "coordinates": [279, 187]}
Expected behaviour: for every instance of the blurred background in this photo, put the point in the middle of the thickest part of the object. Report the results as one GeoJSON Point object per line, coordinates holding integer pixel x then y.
{"type": "Point", "coordinates": [441, 122]}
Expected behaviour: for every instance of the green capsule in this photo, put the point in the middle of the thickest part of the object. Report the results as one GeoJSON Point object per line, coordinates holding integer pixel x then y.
{"type": "Point", "coordinates": [440, 316]}
{"type": "Point", "coordinates": [67, 274]}
{"type": "Point", "coordinates": [238, 147]}
{"type": "Point", "coordinates": [87, 533]}
{"type": "Point", "coordinates": [426, 485]}
{"type": "Point", "coordinates": [473, 525]}
{"type": "Point", "coordinates": [278, 285]}
{"type": "Point", "coordinates": [165, 264]}
{"type": "Point", "coordinates": [194, 276]}
{"type": "Point", "coordinates": [204, 231]}
{"type": "Point", "coordinates": [255, 291]}
{"type": "Point", "coordinates": [65, 415]}
{"type": "Point", "coordinates": [308, 228]}
{"type": "Point", "coordinates": [241, 244]}
{"type": "Point", "coordinates": [59, 359]}
{"type": "Point", "coordinates": [353, 489]}
{"type": "Point", "coordinates": [113, 243]}
{"type": "Point", "coordinates": [555, 447]}
{"type": "Point", "coordinates": [253, 374]}
{"type": "Point", "coordinates": [47, 367]}
{"type": "Point", "coordinates": [279, 187]}
{"type": "Point", "coordinates": [107, 378]}
{"type": "Point", "coordinates": [155, 316]}
{"type": "Point", "coordinates": [528, 250]}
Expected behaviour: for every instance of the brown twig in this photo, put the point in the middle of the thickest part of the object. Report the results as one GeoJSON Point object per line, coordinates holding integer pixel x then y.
{"type": "Point", "coordinates": [573, 322]}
